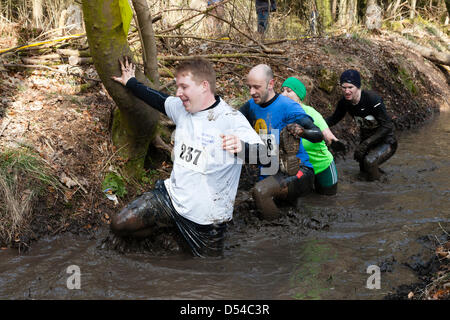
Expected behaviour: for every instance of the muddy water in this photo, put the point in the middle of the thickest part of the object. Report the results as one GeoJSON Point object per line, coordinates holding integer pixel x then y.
{"type": "Point", "coordinates": [326, 257]}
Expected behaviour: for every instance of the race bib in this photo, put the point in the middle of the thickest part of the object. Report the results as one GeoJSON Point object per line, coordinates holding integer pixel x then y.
{"type": "Point", "coordinates": [191, 156]}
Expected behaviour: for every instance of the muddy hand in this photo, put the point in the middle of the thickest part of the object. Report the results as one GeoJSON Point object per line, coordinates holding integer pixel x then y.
{"type": "Point", "coordinates": [295, 129]}
{"type": "Point", "coordinates": [128, 71]}
{"type": "Point", "coordinates": [231, 143]}
{"type": "Point", "coordinates": [328, 136]}
{"type": "Point", "coordinates": [337, 146]}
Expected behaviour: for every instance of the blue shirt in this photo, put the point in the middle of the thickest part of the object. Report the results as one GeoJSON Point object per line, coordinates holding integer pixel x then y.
{"type": "Point", "coordinates": [276, 114]}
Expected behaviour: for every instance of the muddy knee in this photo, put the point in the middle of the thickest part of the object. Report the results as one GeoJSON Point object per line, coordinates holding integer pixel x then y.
{"type": "Point", "coordinates": [263, 194]}
{"type": "Point", "coordinates": [371, 167]}
{"type": "Point", "coordinates": [133, 217]}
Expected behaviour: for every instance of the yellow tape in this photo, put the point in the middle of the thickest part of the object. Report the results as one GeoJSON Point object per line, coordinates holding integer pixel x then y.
{"type": "Point", "coordinates": [41, 43]}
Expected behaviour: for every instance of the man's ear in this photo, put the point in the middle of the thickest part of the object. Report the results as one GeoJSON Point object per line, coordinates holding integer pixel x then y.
{"type": "Point", "coordinates": [271, 84]}
{"type": "Point", "coordinates": [206, 86]}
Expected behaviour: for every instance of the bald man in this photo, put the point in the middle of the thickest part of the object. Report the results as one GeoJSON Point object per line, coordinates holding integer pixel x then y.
{"type": "Point", "coordinates": [289, 174]}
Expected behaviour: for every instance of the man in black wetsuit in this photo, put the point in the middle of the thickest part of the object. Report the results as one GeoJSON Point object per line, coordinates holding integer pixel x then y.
{"type": "Point", "coordinates": [378, 142]}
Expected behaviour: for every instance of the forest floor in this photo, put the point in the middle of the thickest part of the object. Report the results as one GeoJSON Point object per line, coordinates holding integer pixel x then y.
{"type": "Point", "coordinates": [65, 119]}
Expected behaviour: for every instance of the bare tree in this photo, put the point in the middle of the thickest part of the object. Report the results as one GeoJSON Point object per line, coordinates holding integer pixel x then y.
{"type": "Point", "coordinates": [373, 15]}
{"type": "Point", "coordinates": [412, 13]}
{"type": "Point", "coordinates": [147, 34]}
{"type": "Point", "coordinates": [352, 12]}
{"type": "Point", "coordinates": [333, 10]}
{"type": "Point", "coordinates": [348, 12]}
{"type": "Point", "coordinates": [37, 13]}
{"type": "Point", "coordinates": [395, 8]}
{"type": "Point", "coordinates": [342, 19]}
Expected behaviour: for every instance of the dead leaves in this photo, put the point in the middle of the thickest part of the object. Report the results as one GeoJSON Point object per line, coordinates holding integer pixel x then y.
{"type": "Point", "coordinates": [443, 252]}
{"type": "Point", "coordinates": [67, 180]}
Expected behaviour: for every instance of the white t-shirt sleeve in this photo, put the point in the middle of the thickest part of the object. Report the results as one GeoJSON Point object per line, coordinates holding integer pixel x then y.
{"type": "Point", "coordinates": [174, 108]}
{"type": "Point", "coordinates": [243, 130]}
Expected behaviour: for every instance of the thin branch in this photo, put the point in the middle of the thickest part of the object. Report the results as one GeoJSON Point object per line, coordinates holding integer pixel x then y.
{"type": "Point", "coordinates": [224, 55]}
{"type": "Point", "coordinates": [199, 12]}
{"type": "Point", "coordinates": [40, 66]}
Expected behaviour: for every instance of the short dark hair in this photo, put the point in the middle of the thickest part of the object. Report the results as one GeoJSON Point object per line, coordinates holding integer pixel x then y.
{"type": "Point", "coordinates": [201, 69]}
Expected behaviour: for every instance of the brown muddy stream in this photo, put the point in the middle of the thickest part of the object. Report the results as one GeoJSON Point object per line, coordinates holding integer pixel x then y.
{"type": "Point", "coordinates": [326, 256]}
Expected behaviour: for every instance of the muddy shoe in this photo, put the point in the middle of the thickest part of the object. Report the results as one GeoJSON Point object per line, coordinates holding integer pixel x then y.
{"type": "Point", "coordinates": [289, 163]}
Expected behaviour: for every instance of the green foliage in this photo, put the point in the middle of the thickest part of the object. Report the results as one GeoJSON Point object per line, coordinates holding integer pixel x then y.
{"type": "Point", "coordinates": [360, 37]}
{"type": "Point", "coordinates": [23, 177]}
{"type": "Point", "coordinates": [149, 176]}
{"type": "Point", "coordinates": [327, 80]}
{"type": "Point", "coordinates": [115, 183]}
{"type": "Point", "coordinates": [407, 80]}
{"type": "Point", "coordinates": [126, 14]}
{"type": "Point", "coordinates": [29, 166]}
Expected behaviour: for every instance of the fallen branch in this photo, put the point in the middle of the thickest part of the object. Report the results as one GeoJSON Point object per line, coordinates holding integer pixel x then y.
{"type": "Point", "coordinates": [74, 53]}
{"type": "Point", "coordinates": [39, 66]}
{"type": "Point", "coordinates": [36, 61]}
{"type": "Point", "coordinates": [254, 48]}
{"type": "Point", "coordinates": [218, 56]}
{"type": "Point", "coordinates": [75, 36]}
{"type": "Point", "coordinates": [430, 54]}
{"type": "Point", "coordinates": [74, 60]}
{"type": "Point", "coordinates": [4, 125]}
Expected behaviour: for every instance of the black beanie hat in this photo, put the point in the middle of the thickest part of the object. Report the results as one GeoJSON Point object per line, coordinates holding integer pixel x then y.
{"type": "Point", "coordinates": [351, 76]}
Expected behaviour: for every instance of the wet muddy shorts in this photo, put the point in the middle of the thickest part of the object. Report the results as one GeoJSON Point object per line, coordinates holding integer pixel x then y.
{"type": "Point", "coordinates": [203, 240]}
{"type": "Point", "coordinates": [326, 181]}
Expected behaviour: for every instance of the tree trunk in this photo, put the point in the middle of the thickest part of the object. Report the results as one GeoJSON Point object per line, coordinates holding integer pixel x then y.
{"type": "Point", "coordinates": [148, 41]}
{"type": "Point", "coordinates": [412, 13]}
{"type": "Point", "coordinates": [323, 7]}
{"type": "Point", "coordinates": [395, 7]}
{"type": "Point", "coordinates": [342, 20]}
{"type": "Point", "coordinates": [333, 10]}
{"type": "Point", "coordinates": [373, 15]}
{"type": "Point", "coordinates": [352, 12]}
{"type": "Point", "coordinates": [37, 13]}
{"type": "Point", "coordinates": [447, 5]}
{"type": "Point", "coordinates": [134, 124]}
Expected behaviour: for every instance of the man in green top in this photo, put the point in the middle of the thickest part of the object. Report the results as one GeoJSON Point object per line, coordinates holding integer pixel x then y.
{"type": "Point", "coordinates": [325, 172]}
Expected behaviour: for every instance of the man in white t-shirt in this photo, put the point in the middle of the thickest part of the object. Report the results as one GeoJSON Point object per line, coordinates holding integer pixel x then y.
{"type": "Point", "coordinates": [211, 140]}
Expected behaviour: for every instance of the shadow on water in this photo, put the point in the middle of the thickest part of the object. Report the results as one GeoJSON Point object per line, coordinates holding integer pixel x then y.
{"type": "Point", "coordinates": [383, 223]}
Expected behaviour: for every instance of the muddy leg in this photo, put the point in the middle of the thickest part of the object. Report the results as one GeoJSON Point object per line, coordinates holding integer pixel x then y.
{"type": "Point", "coordinates": [140, 217]}
{"type": "Point", "coordinates": [264, 193]}
{"type": "Point", "coordinates": [375, 157]}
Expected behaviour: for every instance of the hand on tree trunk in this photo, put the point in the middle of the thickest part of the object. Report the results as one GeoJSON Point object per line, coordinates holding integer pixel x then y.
{"type": "Point", "coordinates": [128, 71]}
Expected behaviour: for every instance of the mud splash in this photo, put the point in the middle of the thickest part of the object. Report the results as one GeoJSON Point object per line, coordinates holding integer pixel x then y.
{"type": "Point", "coordinates": [319, 250]}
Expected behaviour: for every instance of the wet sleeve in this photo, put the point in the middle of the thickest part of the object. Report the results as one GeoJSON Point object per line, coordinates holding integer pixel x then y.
{"type": "Point", "coordinates": [295, 113]}
{"type": "Point", "coordinates": [337, 116]}
{"type": "Point", "coordinates": [311, 131]}
{"type": "Point", "coordinates": [255, 153]}
{"type": "Point", "coordinates": [386, 125]}
{"type": "Point", "coordinates": [153, 98]}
